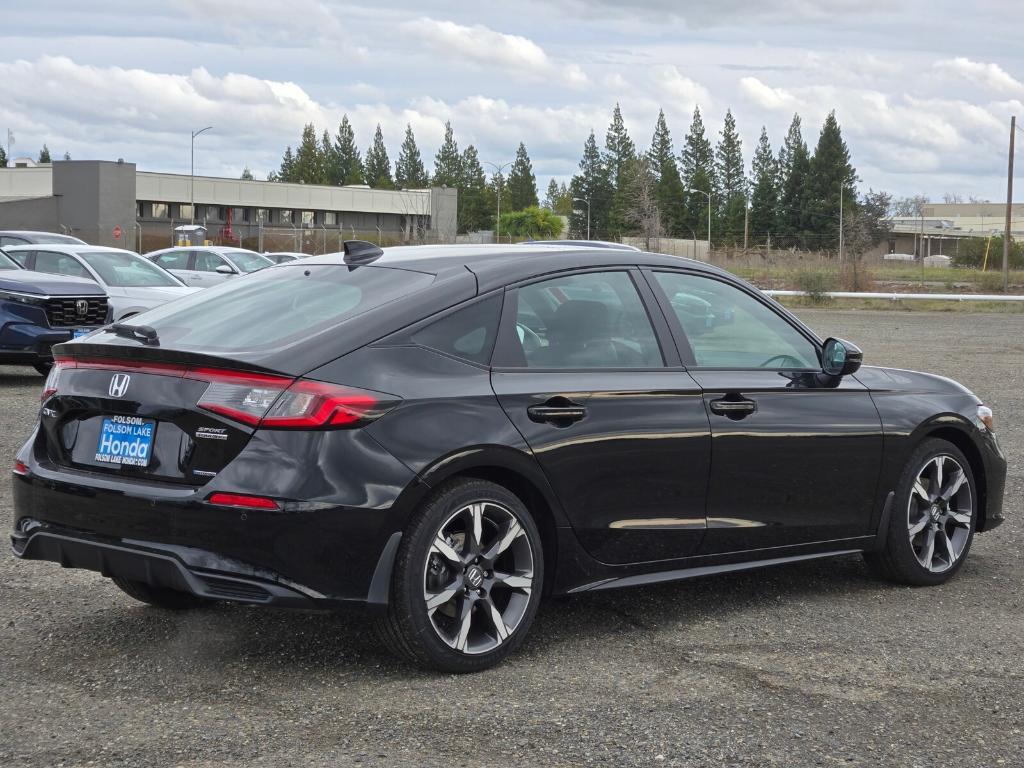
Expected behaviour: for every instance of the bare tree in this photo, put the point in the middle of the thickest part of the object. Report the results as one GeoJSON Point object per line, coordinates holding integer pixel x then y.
{"type": "Point", "coordinates": [912, 205]}
{"type": "Point", "coordinates": [952, 197]}
{"type": "Point", "coordinates": [641, 210]}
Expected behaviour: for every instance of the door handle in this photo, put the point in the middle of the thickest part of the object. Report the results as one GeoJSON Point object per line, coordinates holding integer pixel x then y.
{"type": "Point", "coordinates": [733, 408]}
{"type": "Point", "coordinates": [557, 411]}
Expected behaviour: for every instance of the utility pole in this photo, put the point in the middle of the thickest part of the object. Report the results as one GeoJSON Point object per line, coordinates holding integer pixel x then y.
{"type": "Point", "coordinates": [840, 223]}
{"type": "Point", "coordinates": [1009, 207]}
{"type": "Point", "coordinates": [192, 175]}
{"type": "Point", "coordinates": [498, 179]}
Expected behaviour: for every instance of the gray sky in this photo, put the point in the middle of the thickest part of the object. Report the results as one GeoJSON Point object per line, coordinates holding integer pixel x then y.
{"type": "Point", "coordinates": [923, 90]}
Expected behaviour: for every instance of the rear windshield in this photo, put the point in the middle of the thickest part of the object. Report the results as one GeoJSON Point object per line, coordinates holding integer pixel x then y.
{"type": "Point", "coordinates": [276, 308]}
{"type": "Point", "coordinates": [247, 261]}
{"type": "Point", "coordinates": [126, 270]}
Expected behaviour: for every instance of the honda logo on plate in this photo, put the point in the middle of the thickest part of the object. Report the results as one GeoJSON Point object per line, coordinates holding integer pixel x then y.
{"type": "Point", "coordinates": [118, 384]}
{"type": "Point", "coordinates": [82, 307]}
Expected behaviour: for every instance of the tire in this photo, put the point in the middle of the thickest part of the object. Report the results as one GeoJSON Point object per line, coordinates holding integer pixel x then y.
{"type": "Point", "coordinates": [473, 582]}
{"type": "Point", "coordinates": [160, 597]}
{"type": "Point", "coordinates": [920, 515]}
{"type": "Point", "coordinates": [43, 369]}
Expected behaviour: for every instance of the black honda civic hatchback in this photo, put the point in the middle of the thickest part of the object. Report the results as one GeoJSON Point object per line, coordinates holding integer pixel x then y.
{"type": "Point", "coordinates": [444, 435]}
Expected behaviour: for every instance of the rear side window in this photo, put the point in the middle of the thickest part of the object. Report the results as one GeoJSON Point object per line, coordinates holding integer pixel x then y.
{"type": "Point", "coordinates": [60, 264]}
{"type": "Point", "coordinates": [173, 260]}
{"type": "Point", "coordinates": [468, 333]}
{"type": "Point", "coordinates": [273, 309]}
{"type": "Point", "coordinates": [19, 256]}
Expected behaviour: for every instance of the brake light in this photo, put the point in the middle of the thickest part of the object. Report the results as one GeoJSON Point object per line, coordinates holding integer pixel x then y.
{"type": "Point", "coordinates": [241, 500]}
{"type": "Point", "coordinates": [244, 397]}
{"type": "Point", "coordinates": [20, 467]}
{"type": "Point", "coordinates": [50, 386]}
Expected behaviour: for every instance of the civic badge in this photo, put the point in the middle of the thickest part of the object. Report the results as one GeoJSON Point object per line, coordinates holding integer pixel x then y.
{"type": "Point", "coordinates": [118, 384]}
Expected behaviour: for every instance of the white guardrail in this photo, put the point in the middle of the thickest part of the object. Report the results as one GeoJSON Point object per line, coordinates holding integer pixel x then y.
{"type": "Point", "coordinates": [901, 296]}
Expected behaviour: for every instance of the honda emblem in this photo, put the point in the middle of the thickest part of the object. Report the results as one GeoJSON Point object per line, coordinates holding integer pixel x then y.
{"type": "Point", "coordinates": [118, 384]}
{"type": "Point", "coordinates": [82, 307]}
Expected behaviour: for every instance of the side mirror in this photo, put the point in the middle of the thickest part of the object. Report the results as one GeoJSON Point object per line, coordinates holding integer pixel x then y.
{"type": "Point", "coordinates": [840, 358]}
{"type": "Point", "coordinates": [224, 269]}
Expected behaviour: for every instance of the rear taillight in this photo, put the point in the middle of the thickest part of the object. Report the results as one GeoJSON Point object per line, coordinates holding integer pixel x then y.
{"type": "Point", "coordinates": [279, 403]}
{"type": "Point", "coordinates": [50, 386]}
{"type": "Point", "coordinates": [20, 467]}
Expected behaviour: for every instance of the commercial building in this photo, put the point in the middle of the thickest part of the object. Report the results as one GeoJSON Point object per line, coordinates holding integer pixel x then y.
{"type": "Point", "coordinates": [112, 203]}
{"type": "Point", "coordinates": [942, 226]}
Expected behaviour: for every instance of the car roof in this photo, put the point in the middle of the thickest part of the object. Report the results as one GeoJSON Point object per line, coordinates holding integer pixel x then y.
{"type": "Point", "coordinates": [36, 233]}
{"type": "Point", "coordinates": [69, 248]}
{"type": "Point", "coordinates": [498, 265]}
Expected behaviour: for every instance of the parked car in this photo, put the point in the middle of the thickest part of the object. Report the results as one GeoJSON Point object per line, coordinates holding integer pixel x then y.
{"type": "Point", "coordinates": [133, 283]}
{"type": "Point", "coordinates": [208, 265]}
{"type": "Point", "coordinates": [393, 430]}
{"type": "Point", "coordinates": [39, 310]}
{"type": "Point", "coordinates": [24, 236]}
{"type": "Point", "coordinates": [282, 256]}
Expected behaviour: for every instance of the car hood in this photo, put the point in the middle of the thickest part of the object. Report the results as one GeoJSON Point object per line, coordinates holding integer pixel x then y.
{"type": "Point", "coordinates": [879, 379]}
{"type": "Point", "coordinates": [45, 284]}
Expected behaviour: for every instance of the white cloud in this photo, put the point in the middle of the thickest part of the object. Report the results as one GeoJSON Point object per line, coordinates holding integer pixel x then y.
{"type": "Point", "coordinates": [986, 74]}
{"type": "Point", "coordinates": [488, 49]}
{"type": "Point", "coordinates": [675, 86]}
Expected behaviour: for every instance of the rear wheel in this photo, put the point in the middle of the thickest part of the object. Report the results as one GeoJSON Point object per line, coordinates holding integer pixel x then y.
{"type": "Point", "coordinates": [161, 597]}
{"type": "Point", "coordinates": [931, 526]}
{"type": "Point", "coordinates": [467, 579]}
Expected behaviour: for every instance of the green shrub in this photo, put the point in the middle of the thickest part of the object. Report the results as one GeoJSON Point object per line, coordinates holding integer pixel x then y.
{"type": "Point", "coordinates": [534, 222]}
{"type": "Point", "coordinates": [816, 284]}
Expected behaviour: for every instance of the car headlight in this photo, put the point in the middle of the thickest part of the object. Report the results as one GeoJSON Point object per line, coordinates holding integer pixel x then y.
{"type": "Point", "coordinates": [22, 298]}
{"type": "Point", "coordinates": [986, 418]}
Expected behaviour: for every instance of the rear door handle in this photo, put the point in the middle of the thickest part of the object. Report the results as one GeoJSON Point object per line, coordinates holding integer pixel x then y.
{"type": "Point", "coordinates": [555, 411]}
{"type": "Point", "coordinates": [734, 408]}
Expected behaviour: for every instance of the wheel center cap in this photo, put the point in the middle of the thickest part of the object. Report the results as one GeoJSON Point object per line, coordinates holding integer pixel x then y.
{"type": "Point", "coordinates": [474, 576]}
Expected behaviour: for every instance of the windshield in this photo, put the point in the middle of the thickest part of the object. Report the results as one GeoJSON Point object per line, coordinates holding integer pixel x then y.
{"type": "Point", "coordinates": [126, 270]}
{"type": "Point", "coordinates": [6, 262]}
{"type": "Point", "coordinates": [274, 309]}
{"type": "Point", "coordinates": [248, 261]}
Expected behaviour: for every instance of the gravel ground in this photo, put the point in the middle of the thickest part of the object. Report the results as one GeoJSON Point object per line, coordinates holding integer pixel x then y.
{"type": "Point", "coordinates": [811, 664]}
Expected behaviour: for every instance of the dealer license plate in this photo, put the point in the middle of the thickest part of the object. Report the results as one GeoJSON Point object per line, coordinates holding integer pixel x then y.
{"type": "Point", "coordinates": [126, 440]}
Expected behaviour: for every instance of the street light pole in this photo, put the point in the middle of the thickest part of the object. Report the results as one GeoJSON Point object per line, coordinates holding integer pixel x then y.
{"type": "Point", "coordinates": [497, 172]}
{"type": "Point", "coordinates": [192, 175]}
{"type": "Point", "coordinates": [708, 195]}
{"type": "Point", "coordinates": [587, 201]}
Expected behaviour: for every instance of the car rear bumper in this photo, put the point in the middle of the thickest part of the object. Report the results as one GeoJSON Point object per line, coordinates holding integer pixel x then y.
{"type": "Point", "coordinates": [157, 566]}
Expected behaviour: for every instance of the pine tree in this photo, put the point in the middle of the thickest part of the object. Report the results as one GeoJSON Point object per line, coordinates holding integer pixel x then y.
{"type": "Point", "coordinates": [619, 155]}
{"type": "Point", "coordinates": [329, 157]}
{"type": "Point", "coordinates": [551, 196]}
{"type": "Point", "coordinates": [668, 187]}
{"type": "Point", "coordinates": [377, 168]}
{"type": "Point", "coordinates": [309, 160]}
{"type": "Point", "coordinates": [448, 162]}
{"type": "Point", "coordinates": [3, 157]}
{"type": "Point", "coordinates": [830, 171]}
{"type": "Point", "coordinates": [732, 182]}
{"type": "Point", "coordinates": [698, 176]}
{"type": "Point", "coordinates": [247, 174]}
{"type": "Point", "coordinates": [44, 154]}
{"type": "Point", "coordinates": [592, 184]}
{"type": "Point", "coordinates": [794, 165]}
{"type": "Point", "coordinates": [563, 204]}
{"type": "Point", "coordinates": [475, 212]}
{"type": "Point", "coordinates": [346, 165]}
{"type": "Point", "coordinates": [764, 195]}
{"type": "Point", "coordinates": [522, 184]}
{"type": "Point", "coordinates": [409, 170]}
{"type": "Point", "coordinates": [286, 172]}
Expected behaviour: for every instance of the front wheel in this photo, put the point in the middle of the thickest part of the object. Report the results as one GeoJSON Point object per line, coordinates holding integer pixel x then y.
{"type": "Point", "coordinates": [467, 579]}
{"type": "Point", "coordinates": [932, 521]}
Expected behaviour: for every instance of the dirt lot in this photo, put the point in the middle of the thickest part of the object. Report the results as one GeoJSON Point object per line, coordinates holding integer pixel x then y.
{"type": "Point", "coordinates": [807, 665]}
